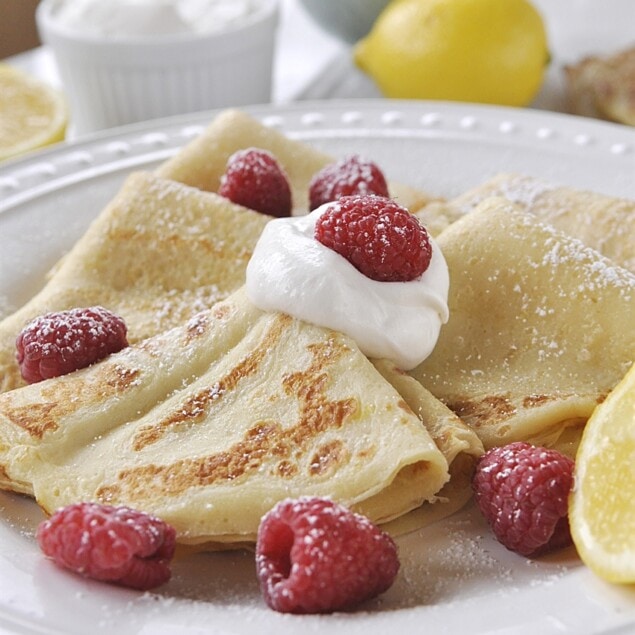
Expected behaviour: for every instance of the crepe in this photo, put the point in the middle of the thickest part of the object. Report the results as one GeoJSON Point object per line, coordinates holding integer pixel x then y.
{"type": "Point", "coordinates": [211, 423]}
{"type": "Point", "coordinates": [161, 251]}
{"type": "Point", "coordinates": [602, 222]}
{"type": "Point", "coordinates": [459, 444]}
{"type": "Point", "coordinates": [540, 328]}
{"type": "Point", "coordinates": [158, 253]}
{"type": "Point", "coordinates": [201, 163]}
{"type": "Point", "coordinates": [438, 215]}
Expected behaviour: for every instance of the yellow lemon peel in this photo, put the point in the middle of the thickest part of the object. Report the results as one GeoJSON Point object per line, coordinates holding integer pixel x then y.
{"type": "Point", "coordinates": [486, 51]}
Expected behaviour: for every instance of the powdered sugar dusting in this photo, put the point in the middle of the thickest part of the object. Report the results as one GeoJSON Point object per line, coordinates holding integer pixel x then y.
{"type": "Point", "coordinates": [602, 222]}
{"type": "Point", "coordinates": [598, 272]}
{"type": "Point", "coordinates": [457, 565]}
{"type": "Point", "coordinates": [517, 188]}
{"type": "Point", "coordinates": [179, 305]}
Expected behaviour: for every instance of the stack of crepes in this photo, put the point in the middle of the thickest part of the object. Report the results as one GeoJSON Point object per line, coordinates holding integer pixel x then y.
{"type": "Point", "coordinates": [218, 410]}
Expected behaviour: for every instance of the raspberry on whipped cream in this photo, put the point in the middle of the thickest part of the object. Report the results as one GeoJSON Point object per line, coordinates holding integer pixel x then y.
{"type": "Point", "coordinates": [292, 272]}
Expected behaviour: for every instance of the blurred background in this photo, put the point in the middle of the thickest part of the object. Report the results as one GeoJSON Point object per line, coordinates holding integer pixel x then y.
{"type": "Point", "coordinates": [17, 26]}
{"type": "Point", "coordinates": [315, 46]}
{"type": "Point", "coordinates": [313, 58]}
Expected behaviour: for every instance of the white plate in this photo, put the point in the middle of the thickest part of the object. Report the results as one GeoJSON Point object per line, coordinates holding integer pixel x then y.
{"type": "Point", "coordinates": [455, 578]}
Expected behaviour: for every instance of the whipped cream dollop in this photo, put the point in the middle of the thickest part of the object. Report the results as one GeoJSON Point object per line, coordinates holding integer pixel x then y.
{"type": "Point", "coordinates": [151, 18]}
{"type": "Point", "coordinates": [292, 272]}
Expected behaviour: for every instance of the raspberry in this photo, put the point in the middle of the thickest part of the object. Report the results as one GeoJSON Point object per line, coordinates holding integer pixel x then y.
{"type": "Point", "coordinates": [254, 179]}
{"type": "Point", "coordinates": [523, 490]}
{"type": "Point", "coordinates": [58, 343]}
{"type": "Point", "coordinates": [112, 544]}
{"type": "Point", "coordinates": [316, 556]}
{"type": "Point", "coordinates": [351, 175]}
{"type": "Point", "coordinates": [377, 236]}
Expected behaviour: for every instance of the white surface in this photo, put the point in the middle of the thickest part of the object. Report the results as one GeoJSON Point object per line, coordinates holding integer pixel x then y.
{"type": "Point", "coordinates": [455, 578]}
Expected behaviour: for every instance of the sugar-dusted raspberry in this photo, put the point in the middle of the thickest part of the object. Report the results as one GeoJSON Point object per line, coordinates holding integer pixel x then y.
{"type": "Point", "coordinates": [254, 179]}
{"type": "Point", "coordinates": [377, 236]}
{"type": "Point", "coordinates": [316, 556]}
{"type": "Point", "coordinates": [351, 175]}
{"type": "Point", "coordinates": [112, 544]}
{"type": "Point", "coordinates": [523, 490]}
{"type": "Point", "coordinates": [58, 343]}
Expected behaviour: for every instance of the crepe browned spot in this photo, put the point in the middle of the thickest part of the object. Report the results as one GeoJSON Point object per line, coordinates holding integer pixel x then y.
{"type": "Point", "coordinates": [540, 328]}
{"type": "Point", "coordinates": [159, 253]}
{"type": "Point", "coordinates": [208, 425]}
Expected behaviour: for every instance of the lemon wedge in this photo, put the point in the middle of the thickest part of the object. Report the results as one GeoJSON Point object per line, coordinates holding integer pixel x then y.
{"type": "Point", "coordinates": [32, 114]}
{"type": "Point", "coordinates": [486, 51]}
{"type": "Point", "coordinates": [602, 504]}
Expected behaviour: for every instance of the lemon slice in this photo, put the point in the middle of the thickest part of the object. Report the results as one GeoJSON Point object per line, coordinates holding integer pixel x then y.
{"type": "Point", "coordinates": [602, 504]}
{"type": "Point", "coordinates": [32, 114]}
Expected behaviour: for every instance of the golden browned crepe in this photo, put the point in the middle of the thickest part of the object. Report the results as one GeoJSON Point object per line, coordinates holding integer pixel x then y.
{"type": "Point", "coordinates": [202, 162]}
{"type": "Point", "coordinates": [540, 328]}
{"type": "Point", "coordinates": [161, 251]}
{"type": "Point", "coordinates": [158, 253]}
{"type": "Point", "coordinates": [210, 424]}
{"type": "Point", "coordinates": [218, 413]}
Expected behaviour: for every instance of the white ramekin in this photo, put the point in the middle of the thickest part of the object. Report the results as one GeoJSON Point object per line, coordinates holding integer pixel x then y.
{"type": "Point", "coordinates": [110, 82]}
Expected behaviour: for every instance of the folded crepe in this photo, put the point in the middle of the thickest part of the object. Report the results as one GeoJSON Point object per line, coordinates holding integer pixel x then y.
{"type": "Point", "coordinates": [602, 222]}
{"type": "Point", "coordinates": [159, 253]}
{"type": "Point", "coordinates": [201, 163]}
{"type": "Point", "coordinates": [458, 443]}
{"type": "Point", "coordinates": [540, 328]}
{"type": "Point", "coordinates": [208, 425]}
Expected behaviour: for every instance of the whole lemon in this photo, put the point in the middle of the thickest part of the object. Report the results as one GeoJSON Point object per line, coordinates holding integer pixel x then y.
{"type": "Point", "coordinates": [487, 51]}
